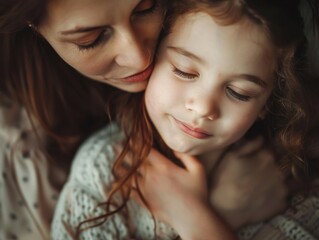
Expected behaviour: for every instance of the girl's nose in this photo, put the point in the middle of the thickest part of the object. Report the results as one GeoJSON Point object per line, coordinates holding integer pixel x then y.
{"type": "Point", "coordinates": [204, 107]}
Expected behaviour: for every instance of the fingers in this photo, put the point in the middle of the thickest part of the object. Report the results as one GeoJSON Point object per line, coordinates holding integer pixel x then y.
{"type": "Point", "coordinates": [160, 162]}
{"type": "Point", "coordinates": [156, 160]}
{"type": "Point", "coordinates": [191, 163]}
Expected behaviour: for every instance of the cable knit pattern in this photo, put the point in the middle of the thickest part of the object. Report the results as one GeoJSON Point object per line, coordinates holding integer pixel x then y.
{"type": "Point", "coordinates": [89, 184]}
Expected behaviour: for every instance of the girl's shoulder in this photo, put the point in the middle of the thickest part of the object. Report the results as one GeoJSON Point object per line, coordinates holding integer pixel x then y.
{"type": "Point", "coordinates": [89, 184]}
{"type": "Point", "coordinates": [108, 135]}
{"type": "Point", "coordinates": [97, 152]}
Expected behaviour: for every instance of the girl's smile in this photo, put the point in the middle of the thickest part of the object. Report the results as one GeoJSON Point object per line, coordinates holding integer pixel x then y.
{"type": "Point", "coordinates": [194, 132]}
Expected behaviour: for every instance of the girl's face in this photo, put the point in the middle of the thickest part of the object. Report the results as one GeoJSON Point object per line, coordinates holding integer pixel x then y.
{"type": "Point", "coordinates": [210, 83]}
{"type": "Point", "coordinates": [111, 41]}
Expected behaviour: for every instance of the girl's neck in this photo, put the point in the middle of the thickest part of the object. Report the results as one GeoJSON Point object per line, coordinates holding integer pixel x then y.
{"type": "Point", "coordinates": [211, 159]}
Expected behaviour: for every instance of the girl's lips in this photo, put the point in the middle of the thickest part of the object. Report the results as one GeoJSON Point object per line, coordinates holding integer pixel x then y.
{"type": "Point", "coordinates": [139, 77]}
{"type": "Point", "coordinates": [194, 132]}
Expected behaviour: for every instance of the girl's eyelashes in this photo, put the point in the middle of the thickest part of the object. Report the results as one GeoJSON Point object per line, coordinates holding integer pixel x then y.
{"type": "Point", "coordinates": [237, 95]}
{"type": "Point", "coordinates": [231, 92]}
{"type": "Point", "coordinates": [102, 37]}
{"type": "Point", "coordinates": [146, 7]}
{"type": "Point", "coordinates": [184, 75]}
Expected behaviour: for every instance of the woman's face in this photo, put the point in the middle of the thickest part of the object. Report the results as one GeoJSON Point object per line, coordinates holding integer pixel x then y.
{"type": "Point", "coordinates": [111, 41]}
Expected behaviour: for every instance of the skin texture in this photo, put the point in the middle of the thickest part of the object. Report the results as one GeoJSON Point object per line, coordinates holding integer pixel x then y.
{"type": "Point", "coordinates": [106, 41]}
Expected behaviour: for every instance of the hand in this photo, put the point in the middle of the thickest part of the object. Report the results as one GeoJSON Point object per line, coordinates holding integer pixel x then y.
{"type": "Point", "coordinates": [170, 189]}
{"type": "Point", "coordinates": [178, 196]}
{"type": "Point", "coordinates": [247, 186]}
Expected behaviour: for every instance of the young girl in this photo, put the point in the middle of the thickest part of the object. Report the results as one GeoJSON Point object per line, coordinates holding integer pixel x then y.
{"type": "Point", "coordinates": [208, 90]}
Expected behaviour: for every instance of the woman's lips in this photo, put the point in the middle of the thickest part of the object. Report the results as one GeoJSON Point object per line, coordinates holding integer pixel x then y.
{"type": "Point", "coordinates": [194, 132]}
{"type": "Point", "coordinates": [139, 77]}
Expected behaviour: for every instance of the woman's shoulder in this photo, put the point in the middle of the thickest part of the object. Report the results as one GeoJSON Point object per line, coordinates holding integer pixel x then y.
{"type": "Point", "coordinates": [28, 195]}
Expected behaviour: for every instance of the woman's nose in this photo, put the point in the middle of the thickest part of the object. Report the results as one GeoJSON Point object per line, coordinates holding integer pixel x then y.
{"type": "Point", "coordinates": [131, 52]}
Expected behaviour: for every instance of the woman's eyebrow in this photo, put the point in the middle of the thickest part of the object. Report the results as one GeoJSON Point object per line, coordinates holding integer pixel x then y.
{"type": "Point", "coordinates": [185, 53]}
{"type": "Point", "coordinates": [79, 29]}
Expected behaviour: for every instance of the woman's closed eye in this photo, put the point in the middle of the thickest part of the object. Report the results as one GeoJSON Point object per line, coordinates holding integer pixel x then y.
{"type": "Point", "coordinates": [146, 7]}
{"type": "Point", "coordinates": [237, 96]}
{"type": "Point", "coordinates": [101, 37]}
{"type": "Point", "coordinates": [184, 75]}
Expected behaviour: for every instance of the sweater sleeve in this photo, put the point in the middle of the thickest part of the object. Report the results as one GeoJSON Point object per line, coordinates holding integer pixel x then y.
{"type": "Point", "coordinates": [299, 222]}
{"type": "Point", "coordinates": [88, 186]}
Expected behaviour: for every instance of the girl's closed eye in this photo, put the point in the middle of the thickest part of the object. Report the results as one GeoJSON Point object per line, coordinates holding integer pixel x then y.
{"type": "Point", "coordinates": [100, 37]}
{"type": "Point", "coordinates": [184, 75]}
{"type": "Point", "coordinates": [237, 96]}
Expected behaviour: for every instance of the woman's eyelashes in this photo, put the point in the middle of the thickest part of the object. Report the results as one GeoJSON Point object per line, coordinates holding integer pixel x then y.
{"type": "Point", "coordinates": [102, 37]}
{"type": "Point", "coordinates": [146, 7]}
{"type": "Point", "coordinates": [143, 8]}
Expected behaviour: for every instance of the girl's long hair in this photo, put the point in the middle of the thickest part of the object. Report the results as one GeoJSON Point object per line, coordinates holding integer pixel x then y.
{"type": "Point", "coordinates": [288, 107]}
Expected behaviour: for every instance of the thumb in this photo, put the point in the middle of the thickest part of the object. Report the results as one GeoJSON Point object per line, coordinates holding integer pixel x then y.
{"type": "Point", "coordinates": [191, 163]}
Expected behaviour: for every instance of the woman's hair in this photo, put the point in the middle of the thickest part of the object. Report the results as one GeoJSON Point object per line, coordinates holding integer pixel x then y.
{"type": "Point", "coordinates": [67, 105]}
{"type": "Point", "coordinates": [287, 107]}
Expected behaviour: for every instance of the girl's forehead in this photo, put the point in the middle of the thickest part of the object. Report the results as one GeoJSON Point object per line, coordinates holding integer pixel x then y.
{"type": "Point", "coordinates": [243, 27]}
{"type": "Point", "coordinates": [242, 46]}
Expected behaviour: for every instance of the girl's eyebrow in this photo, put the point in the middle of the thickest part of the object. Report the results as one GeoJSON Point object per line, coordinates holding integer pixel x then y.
{"type": "Point", "coordinates": [82, 29]}
{"type": "Point", "coordinates": [185, 53]}
{"type": "Point", "coordinates": [252, 78]}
